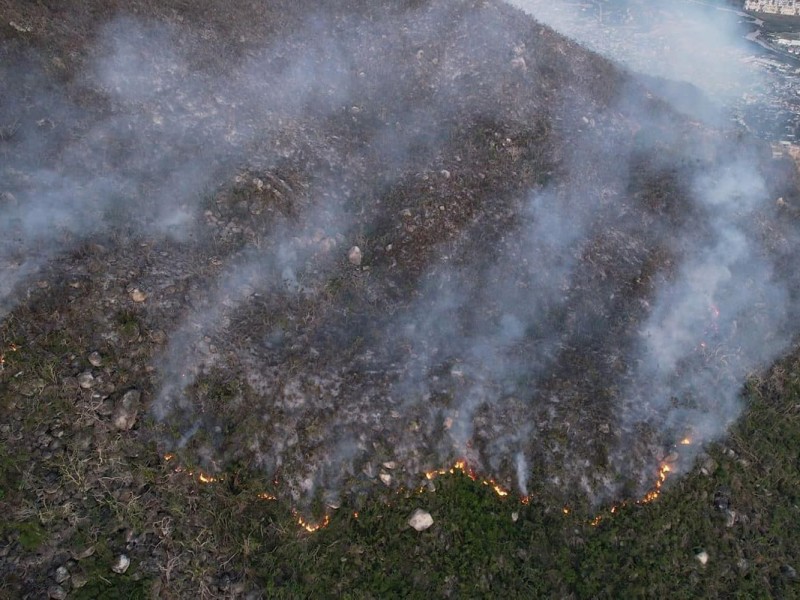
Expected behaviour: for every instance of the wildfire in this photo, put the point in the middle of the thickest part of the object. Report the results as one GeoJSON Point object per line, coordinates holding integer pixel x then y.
{"type": "Point", "coordinates": [712, 328]}
{"type": "Point", "coordinates": [461, 466]}
{"type": "Point", "coordinates": [201, 476]}
{"type": "Point", "coordinates": [11, 348]}
{"type": "Point", "coordinates": [663, 472]}
{"type": "Point", "coordinates": [207, 479]}
{"type": "Point", "coordinates": [312, 527]}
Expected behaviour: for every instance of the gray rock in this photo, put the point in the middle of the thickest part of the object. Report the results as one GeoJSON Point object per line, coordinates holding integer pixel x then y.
{"type": "Point", "coordinates": [61, 574]}
{"type": "Point", "coordinates": [121, 565]}
{"type": "Point", "coordinates": [85, 553]}
{"type": "Point", "coordinates": [420, 520]}
{"type": "Point", "coordinates": [354, 256]}
{"type": "Point", "coordinates": [86, 380]}
{"type": "Point", "coordinates": [56, 592]}
{"type": "Point", "coordinates": [743, 565]}
{"type": "Point", "coordinates": [708, 466]}
{"type": "Point", "coordinates": [95, 359]}
{"type": "Point", "coordinates": [730, 518]}
{"type": "Point", "coordinates": [127, 411]}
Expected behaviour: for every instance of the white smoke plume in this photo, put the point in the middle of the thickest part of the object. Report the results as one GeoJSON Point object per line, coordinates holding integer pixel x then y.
{"type": "Point", "coordinates": [562, 275]}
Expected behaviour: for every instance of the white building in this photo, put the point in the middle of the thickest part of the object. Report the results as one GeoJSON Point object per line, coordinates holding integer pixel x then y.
{"type": "Point", "coordinates": [775, 7]}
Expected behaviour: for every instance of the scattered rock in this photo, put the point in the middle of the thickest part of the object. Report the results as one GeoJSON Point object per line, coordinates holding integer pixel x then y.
{"type": "Point", "coordinates": [386, 479]}
{"type": "Point", "coordinates": [390, 464]}
{"type": "Point", "coordinates": [20, 28]}
{"type": "Point", "coordinates": [85, 553]}
{"type": "Point", "coordinates": [121, 565]}
{"type": "Point", "coordinates": [515, 516]}
{"type": "Point", "coordinates": [79, 580]}
{"type": "Point", "coordinates": [743, 565]}
{"type": "Point", "coordinates": [56, 592]}
{"type": "Point", "coordinates": [105, 408]}
{"type": "Point", "coordinates": [8, 199]}
{"type": "Point", "coordinates": [86, 380]}
{"type": "Point", "coordinates": [138, 295]}
{"type": "Point", "coordinates": [519, 63]}
{"type": "Point", "coordinates": [708, 466]}
{"type": "Point", "coordinates": [61, 574]}
{"type": "Point", "coordinates": [127, 411]}
{"type": "Point", "coordinates": [354, 256]}
{"type": "Point", "coordinates": [730, 519]}
{"type": "Point", "coordinates": [789, 572]}
{"type": "Point", "coordinates": [420, 520]}
{"type": "Point", "coordinates": [702, 557]}
{"type": "Point", "coordinates": [95, 359]}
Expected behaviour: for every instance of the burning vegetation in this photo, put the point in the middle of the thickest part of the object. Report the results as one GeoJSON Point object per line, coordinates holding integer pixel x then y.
{"type": "Point", "coordinates": [302, 259]}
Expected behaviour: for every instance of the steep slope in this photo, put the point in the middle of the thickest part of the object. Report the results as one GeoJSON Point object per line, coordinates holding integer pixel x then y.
{"type": "Point", "coordinates": [558, 276]}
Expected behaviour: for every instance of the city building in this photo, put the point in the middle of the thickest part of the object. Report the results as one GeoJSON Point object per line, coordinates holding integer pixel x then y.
{"type": "Point", "coordinates": [789, 8]}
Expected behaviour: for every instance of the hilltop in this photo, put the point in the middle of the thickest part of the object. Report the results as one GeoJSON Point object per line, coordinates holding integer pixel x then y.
{"type": "Point", "coordinates": [270, 263]}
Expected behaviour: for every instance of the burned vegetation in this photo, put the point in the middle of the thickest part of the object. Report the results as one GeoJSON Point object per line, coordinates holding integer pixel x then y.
{"type": "Point", "coordinates": [317, 254]}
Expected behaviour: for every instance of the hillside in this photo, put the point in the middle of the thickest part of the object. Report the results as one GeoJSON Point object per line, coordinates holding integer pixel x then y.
{"type": "Point", "coordinates": [266, 263]}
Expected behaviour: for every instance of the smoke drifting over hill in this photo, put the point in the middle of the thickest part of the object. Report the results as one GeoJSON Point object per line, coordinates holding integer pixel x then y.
{"type": "Point", "coordinates": [683, 41]}
{"type": "Point", "coordinates": [562, 275]}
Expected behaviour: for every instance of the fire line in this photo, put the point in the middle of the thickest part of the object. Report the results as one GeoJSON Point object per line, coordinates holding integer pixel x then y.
{"type": "Point", "coordinates": [460, 466]}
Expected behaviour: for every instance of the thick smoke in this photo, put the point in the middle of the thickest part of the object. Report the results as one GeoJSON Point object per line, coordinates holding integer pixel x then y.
{"type": "Point", "coordinates": [561, 278]}
{"type": "Point", "coordinates": [682, 41]}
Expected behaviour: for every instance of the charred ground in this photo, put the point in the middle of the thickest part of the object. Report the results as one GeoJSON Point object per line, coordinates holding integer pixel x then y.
{"type": "Point", "coordinates": [496, 178]}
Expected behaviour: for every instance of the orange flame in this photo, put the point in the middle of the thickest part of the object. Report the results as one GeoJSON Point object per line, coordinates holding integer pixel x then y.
{"type": "Point", "coordinates": [656, 491]}
{"type": "Point", "coordinates": [663, 472]}
{"type": "Point", "coordinates": [266, 496]}
{"type": "Point", "coordinates": [11, 348]}
{"type": "Point", "coordinates": [462, 467]}
{"type": "Point", "coordinates": [312, 527]}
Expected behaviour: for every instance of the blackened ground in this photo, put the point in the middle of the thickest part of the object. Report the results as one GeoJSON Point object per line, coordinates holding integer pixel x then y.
{"type": "Point", "coordinates": [473, 326]}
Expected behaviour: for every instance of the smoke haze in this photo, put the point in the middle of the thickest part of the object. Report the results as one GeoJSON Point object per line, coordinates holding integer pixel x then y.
{"type": "Point", "coordinates": [562, 275]}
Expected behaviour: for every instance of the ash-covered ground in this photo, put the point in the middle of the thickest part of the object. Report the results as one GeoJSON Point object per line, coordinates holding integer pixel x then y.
{"type": "Point", "coordinates": [344, 246]}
